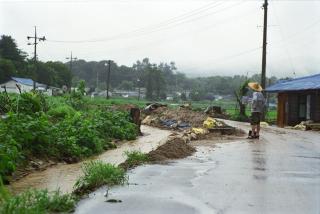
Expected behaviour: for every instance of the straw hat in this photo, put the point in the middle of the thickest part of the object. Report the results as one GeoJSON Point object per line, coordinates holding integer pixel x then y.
{"type": "Point", "coordinates": [255, 86]}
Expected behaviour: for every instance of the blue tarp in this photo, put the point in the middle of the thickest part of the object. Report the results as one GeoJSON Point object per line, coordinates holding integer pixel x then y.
{"type": "Point", "coordinates": [298, 84]}
{"type": "Point", "coordinates": [23, 81]}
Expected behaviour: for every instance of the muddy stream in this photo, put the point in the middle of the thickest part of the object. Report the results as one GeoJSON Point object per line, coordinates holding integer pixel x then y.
{"type": "Point", "coordinates": [63, 176]}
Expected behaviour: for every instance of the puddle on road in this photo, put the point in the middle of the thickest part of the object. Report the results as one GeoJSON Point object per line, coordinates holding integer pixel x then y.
{"type": "Point", "coordinates": [63, 176]}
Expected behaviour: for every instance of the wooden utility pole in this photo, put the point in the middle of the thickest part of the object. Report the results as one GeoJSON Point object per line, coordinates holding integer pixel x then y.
{"type": "Point", "coordinates": [108, 77]}
{"type": "Point", "coordinates": [71, 58]}
{"type": "Point", "coordinates": [36, 41]}
{"type": "Point", "coordinates": [264, 46]}
{"type": "Point", "coordinates": [139, 90]}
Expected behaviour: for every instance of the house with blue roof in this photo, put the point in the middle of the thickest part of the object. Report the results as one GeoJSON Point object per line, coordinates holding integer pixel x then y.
{"type": "Point", "coordinates": [25, 85]}
{"type": "Point", "coordinates": [13, 83]}
{"type": "Point", "coordinates": [298, 100]}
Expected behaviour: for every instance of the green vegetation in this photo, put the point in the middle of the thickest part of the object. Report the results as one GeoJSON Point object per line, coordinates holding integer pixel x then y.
{"type": "Point", "coordinates": [36, 202]}
{"type": "Point", "coordinates": [135, 158]}
{"type": "Point", "coordinates": [50, 127]}
{"type": "Point", "coordinates": [97, 174]}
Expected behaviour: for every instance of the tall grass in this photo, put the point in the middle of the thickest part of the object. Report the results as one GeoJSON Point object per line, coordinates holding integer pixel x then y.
{"type": "Point", "coordinates": [96, 174]}
{"type": "Point", "coordinates": [135, 158]}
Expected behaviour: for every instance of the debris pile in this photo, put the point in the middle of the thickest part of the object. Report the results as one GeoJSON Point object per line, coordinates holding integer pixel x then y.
{"type": "Point", "coordinates": [175, 148]}
{"type": "Point", "coordinates": [180, 118]}
{"type": "Point", "coordinates": [307, 125]}
{"type": "Point", "coordinates": [211, 123]}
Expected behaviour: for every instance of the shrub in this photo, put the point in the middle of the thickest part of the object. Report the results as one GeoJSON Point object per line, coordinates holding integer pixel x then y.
{"type": "Point", "coordinates": [96, 174]}
{"type": "Point", "coordinates": [114, 124]}
{"type": "Point", "coordinates": [37, 202]}
{"type": "Point", "coordinates": [31, 132]}
{"type": "Point", "coordinates": [8, 155]}
{"type": "Point", "coordinates": [76, 97]}
{"type": "Point", "coordinates": [31, 102]}
{"type": "Point", "coordinates": [61, 112]}
{"type": "Point", "coordinates": [77, 137]}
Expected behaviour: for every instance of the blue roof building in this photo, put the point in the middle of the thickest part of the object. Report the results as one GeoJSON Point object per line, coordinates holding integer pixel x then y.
{"type": "Point", "coordinates": [298, 84]}
{"type": "Point", "coordinates": [298, 100]}
{"type": "Point", "coordinates": [17, 84]}
{"type": "Point", "coordinates": [24, 81]}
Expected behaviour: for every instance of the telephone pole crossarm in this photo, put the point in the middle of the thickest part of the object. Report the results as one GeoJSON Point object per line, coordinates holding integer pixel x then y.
{"type": "Point", "coordinates": [36, 42]}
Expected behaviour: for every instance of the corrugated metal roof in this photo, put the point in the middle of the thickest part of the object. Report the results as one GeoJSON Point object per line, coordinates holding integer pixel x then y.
{"type": "Point", "coordinates": [24, 81]}
{"type": "Point", "coordinates": [298, 84]}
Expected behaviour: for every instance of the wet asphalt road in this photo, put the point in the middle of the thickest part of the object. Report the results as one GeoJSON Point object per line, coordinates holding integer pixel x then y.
{"type": "Point", "coordinates": [280, 173]}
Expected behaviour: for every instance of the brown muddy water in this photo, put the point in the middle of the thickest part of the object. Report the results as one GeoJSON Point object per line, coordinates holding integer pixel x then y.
{"type": "Point", "coordinates": [63, 176]}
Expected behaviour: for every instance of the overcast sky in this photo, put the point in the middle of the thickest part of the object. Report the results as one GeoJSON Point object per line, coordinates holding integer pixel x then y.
{"type": "Point", "coordinates": [203, 37]}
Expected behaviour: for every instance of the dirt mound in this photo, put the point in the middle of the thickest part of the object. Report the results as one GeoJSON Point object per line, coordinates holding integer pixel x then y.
{"type": "Point", "coordinates": [173, 149]}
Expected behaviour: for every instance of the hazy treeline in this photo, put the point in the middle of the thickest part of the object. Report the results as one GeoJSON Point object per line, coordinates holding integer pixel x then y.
{"type": "Point", "coordinates": [160, 79]}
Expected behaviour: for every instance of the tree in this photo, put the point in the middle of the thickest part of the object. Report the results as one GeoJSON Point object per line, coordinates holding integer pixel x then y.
{"type": "Point", "coordinates": [7, 70]}
{"type": "Point", "coordinates": [126, 85]}
{"type": "Point", "coordinates": [242, 91]}
{"type": "Point", "coordinates": [9, 49]}
{"type": "Point", "coordinates": [61, 74]}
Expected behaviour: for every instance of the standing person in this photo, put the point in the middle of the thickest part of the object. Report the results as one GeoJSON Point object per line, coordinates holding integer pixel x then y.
{"type": "Point", "coordinates": [257, 109]}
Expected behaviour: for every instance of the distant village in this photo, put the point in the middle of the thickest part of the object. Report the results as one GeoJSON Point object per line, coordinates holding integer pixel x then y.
{"type": "Point", "coordinates": [19, 85]}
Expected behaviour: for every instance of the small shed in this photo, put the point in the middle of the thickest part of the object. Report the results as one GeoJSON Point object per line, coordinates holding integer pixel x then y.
{"type": "Point", "coordinates": [298, 100]}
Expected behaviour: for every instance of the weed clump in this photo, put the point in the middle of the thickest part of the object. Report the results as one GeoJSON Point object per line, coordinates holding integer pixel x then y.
{"type": "Point", "coordinates": [134, 158]}
{"type": "Point", "coordinates": [96, 174]}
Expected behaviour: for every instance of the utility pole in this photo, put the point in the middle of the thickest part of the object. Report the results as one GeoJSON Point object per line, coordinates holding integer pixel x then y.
{"type": "Point", "coordinates": [138, 80]}
{"type": "Point", "coordinates": [36, 41]}
{"type": "Point", "coordinates": [108, 77]}
{"type": "Point", "coordinates": [71, 58]}
{"type": "Point", "coordinates": [264, 46]}
{"type": "Point", "coordinates": [264, 53]}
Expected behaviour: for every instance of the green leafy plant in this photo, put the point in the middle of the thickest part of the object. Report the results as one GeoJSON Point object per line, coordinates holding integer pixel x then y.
{"type": "Point", "coordinates": [96, 174]}
{"type": "Point", "coordinates": [38, 202]}
{"type": "Point", "coordinates": [61, 112]}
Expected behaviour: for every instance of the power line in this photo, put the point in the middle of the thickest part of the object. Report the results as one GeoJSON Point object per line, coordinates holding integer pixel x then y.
{"type": "Point", "coordinates": [173, 24]}
{"type": "Point", "coordinates": [299, 33]}
{"type": "Point", "coordinates": [230, 57]}
{"type": "Point", "coordinates": [282, 36]}
{"type": "Point", "coordinates": [183, 34]}
{"type": "Point", "coordinates": [151, 27]}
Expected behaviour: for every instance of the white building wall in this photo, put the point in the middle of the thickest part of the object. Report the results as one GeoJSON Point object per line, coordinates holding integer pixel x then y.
{"type": "Point", "coordinates": [12, 88]}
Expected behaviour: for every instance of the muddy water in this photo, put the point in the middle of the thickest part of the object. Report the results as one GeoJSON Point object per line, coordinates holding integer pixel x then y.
{"type": "Point", "coordinates": [63, 176]}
